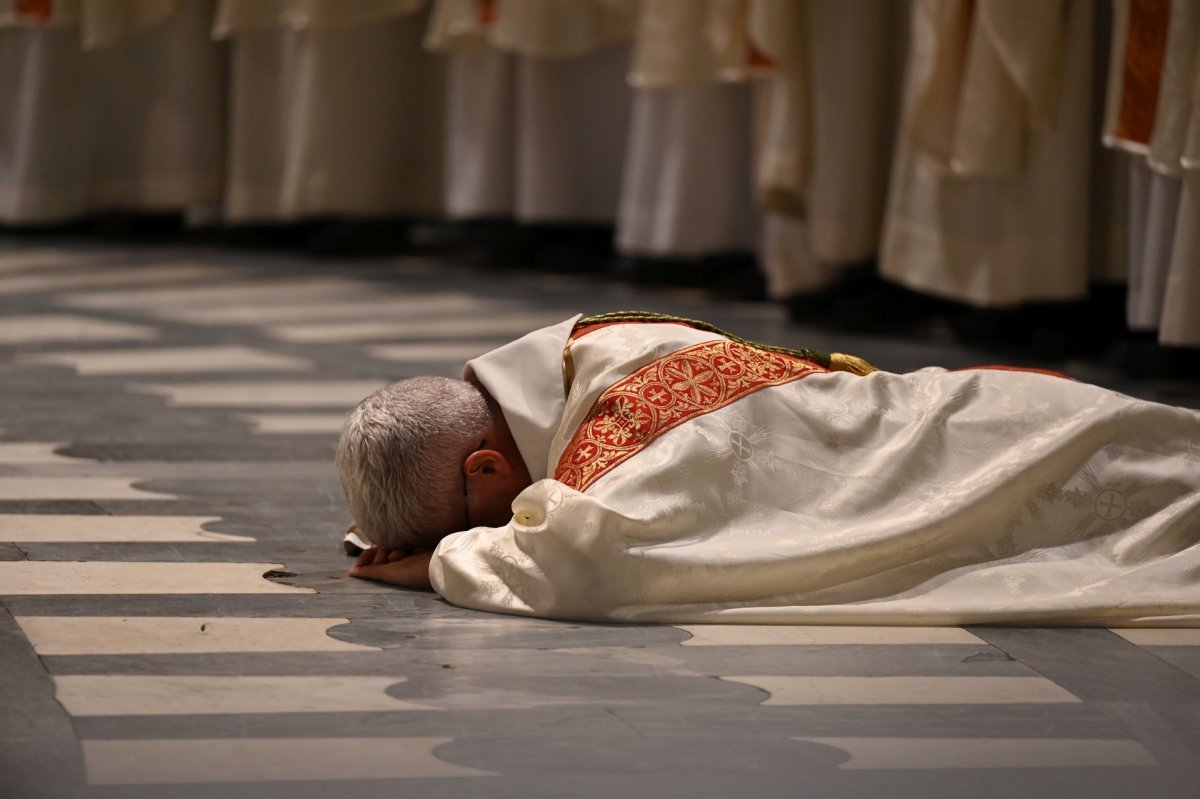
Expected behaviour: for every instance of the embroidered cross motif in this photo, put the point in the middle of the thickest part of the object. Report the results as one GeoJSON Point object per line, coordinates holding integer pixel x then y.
{"type": "Point", "coordinates": [1110, 505]}
{"type": "Point", "coordinates": [663, 395]}
{"type": "Point", "coordinates": [691, 380]}
{"type": "Point", "coordinates": [741, 445]}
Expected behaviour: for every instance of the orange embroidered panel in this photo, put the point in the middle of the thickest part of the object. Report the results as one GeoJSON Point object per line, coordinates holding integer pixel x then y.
{"type": "Point", "coordinates": [664, 394]}
{"type": "Point", "coordinates": [41, 10]}
{"type": "Point", "coordinates": [486, 10]}
{"type": "Point", "coordinates": [1145, 50]}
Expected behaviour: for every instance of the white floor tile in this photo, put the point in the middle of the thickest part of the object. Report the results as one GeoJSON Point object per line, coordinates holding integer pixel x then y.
{"type": "Point", "coordinates": [343, 394]}
{"type": "Point", "coordinates": [231, 292]}
{"type": "Point", "coordinates": [23, 578]}
{"type": "Point", "coordinates": [955, 753]}
{"type": "Point", "coordinates": [107, 275]}
{"type": "Point", "coordinates": [463, 327]}
{"type": "Point", "coordinates": [434, 352]}
{"type": "Point", "coordinates": [1161, 637]}
{"type": "Point", "coordinates": [169, 360]}
{"type": "Point", "coordinates": [28, 488]}
{"type": "Point", "coordinates": [189, 694]}
{"type": "Point", "coordinates": [781, 635]}
{"type": "Point", "coordinates": [144, 635]}
{"type": "Point", "coordinates": [364, 308]}
{"type": "Point", "coordinates": [142, 762]}
{"type": "Point", "coordinates": [50, 328]}
{"type": "Point", "coordinates": [295, 423]}
{"type": "Point", "coordinates": [62, 528]}
{"type": "Point", "coordinates": [906, 690]}
{"type": "Point", "coordinates": [36, 453]}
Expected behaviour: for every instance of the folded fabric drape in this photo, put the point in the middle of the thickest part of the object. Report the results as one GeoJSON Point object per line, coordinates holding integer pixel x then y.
{"type": "Point", "coordinates": [97, 129]}
{"type": "Point", "coordinates": [39, 13]}
{"type": "Point", "coordinates": [1152, 117]}
{"type": "Point", "coordinates": [687, 184]}
{"type": "Point", "coordinates": [989, 196]}
{"type": "Point", "coordinates": [239, 16]}
{"type": "Point", "coordinates": [826, 114]}
{"type": "Point", "coordinates": [535, 28]}
{"type": "Point", "coordinates": [330, 115]}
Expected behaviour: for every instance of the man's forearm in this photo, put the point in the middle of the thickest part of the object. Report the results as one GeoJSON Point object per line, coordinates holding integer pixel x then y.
{"type": "Point", "coordinates": [395, 567]}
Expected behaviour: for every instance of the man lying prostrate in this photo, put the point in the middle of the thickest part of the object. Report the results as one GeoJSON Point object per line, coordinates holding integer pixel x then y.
{"type": "Point", "coordinates": [638, 468]}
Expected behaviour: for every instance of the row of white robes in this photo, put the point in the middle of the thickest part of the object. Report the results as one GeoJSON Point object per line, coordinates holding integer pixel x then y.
{"type": "Point", "coordinates": [1152, 120]}
{"type": "Point", "coordinates": [955, 141]}
{"type": "Point", "coordinates": [272, 110]}
{"type": "Point", "coordinates": [527, 112]}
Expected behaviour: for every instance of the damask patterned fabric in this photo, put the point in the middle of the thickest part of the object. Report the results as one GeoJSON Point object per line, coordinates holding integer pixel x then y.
{"type": "Point", "coordinates": [664, 394]}
{"type": "Point", "coordinates": [932, 497]}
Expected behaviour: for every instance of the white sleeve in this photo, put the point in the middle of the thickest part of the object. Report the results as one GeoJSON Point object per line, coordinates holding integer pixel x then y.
{"type": "Point", "coordinates": [551, 560]}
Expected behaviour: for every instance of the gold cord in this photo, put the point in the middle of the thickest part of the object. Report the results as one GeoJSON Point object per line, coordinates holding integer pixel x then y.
{"type": "Point", "coordinates": [837, 362]}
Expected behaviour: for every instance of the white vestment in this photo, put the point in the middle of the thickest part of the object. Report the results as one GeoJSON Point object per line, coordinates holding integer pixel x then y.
{"type": "Point", "coordinates": [537, 107]}
{"type": "Point", "coordinates": [335, 109]}
{"type": "Point", "coordinates": [686, 189]}
{"type": "Point", "coordinates": [695, 479]}
{"type": "Point", "coordinates": [85, 126]}
{"type": "Point", "coordinates": [1176, 143]}
{"type": "Point", "coordinates": [1152, 114]}
{"type": "Point", "coordinates": [990, 190]}
{"type": "Point", "coordinates": [826, 123]}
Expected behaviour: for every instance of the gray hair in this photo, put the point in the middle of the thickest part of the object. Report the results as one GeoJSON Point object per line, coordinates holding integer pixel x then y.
{"type": "Point", "coordinates": [400, 454]}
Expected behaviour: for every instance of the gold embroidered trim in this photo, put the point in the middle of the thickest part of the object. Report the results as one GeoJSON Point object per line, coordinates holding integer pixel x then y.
{"type": "Point", "coordinates": [664, 394]}
{"type": "Point", "coordinates": [568, 367]}
{"type": "Point", "coordinates": [841, 362]}
{"type": "Point", "coordinates": [816, 356]}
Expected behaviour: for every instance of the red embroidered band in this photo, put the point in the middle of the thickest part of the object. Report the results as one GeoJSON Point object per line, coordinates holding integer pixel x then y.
{"type": "Point", "coordinates": [1145, 51]}
{"type": "Point", "coordinates": [40, 10]}
{"type": "Point", "coordinates": [663, 395]}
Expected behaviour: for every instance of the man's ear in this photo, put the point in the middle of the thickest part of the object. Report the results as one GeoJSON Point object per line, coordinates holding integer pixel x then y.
{"type": "Point", "coordinates": [484, 462]}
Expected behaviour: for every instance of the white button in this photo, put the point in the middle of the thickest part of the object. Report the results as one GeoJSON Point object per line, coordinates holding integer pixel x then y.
{"type": "Point", "coordinates": [529, 516]}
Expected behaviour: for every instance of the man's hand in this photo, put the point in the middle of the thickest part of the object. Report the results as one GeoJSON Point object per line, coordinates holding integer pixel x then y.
{"type": "Point", "coordinates": [409, 569]}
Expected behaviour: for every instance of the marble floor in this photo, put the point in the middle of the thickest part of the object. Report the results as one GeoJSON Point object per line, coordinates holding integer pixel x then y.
{"type": "Point", "coordinates": [176, 619]}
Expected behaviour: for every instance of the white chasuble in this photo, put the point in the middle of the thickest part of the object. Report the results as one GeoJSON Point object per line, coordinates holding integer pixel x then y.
{"type": "Point", "coordinates": [698, 479]}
